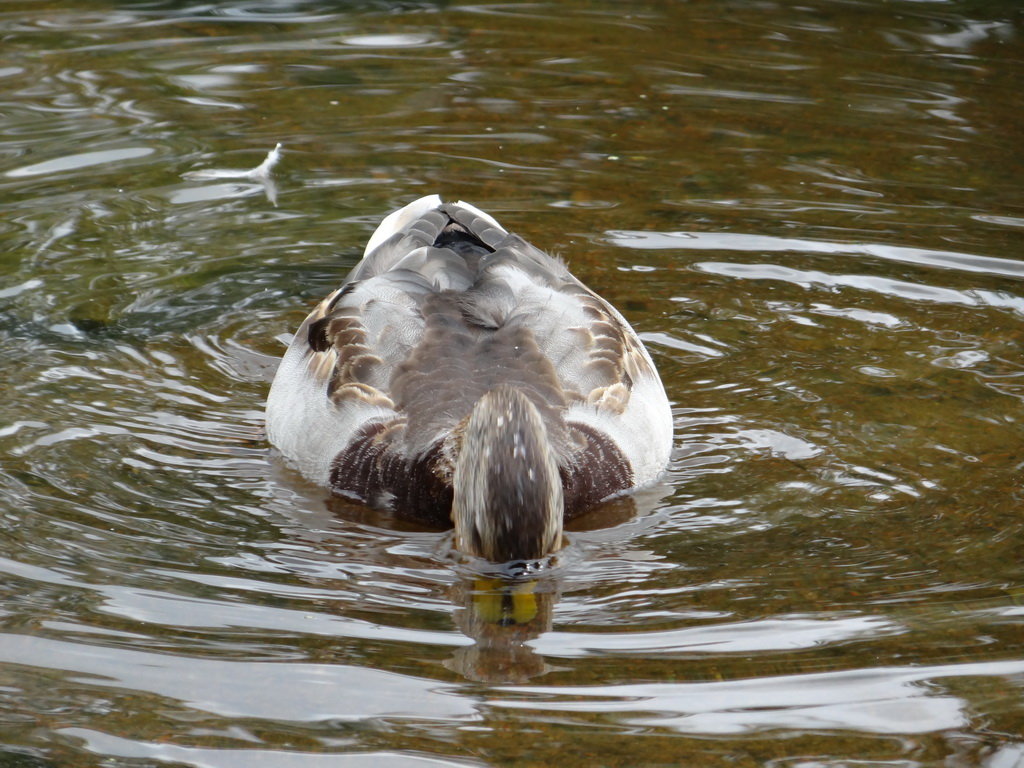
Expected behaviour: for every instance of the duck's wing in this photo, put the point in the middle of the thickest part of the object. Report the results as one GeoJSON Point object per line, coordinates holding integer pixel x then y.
{"type": "Point", "coordinates": [615, 398]}
{"type": "Point", "coordinates": [334, 382]}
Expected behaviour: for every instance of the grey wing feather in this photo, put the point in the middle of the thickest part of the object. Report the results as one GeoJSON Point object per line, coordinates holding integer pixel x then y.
{"type": "Point", "coordinates": [407, 326]}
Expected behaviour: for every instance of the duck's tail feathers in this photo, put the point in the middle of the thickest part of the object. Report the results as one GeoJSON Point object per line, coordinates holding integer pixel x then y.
{"type": "Point", "coordinates": [482, 225]}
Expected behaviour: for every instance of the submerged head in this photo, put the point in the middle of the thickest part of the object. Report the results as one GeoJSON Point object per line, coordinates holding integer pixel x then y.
{"type": "Point", "coordinates": [508, 493]}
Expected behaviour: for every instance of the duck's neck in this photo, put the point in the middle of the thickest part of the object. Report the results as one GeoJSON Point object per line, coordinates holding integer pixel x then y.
{"type": "Point", "coordinates": [508, 494]}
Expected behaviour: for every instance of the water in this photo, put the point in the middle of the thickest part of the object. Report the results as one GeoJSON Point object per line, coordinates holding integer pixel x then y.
{"type": "Point", "coordinates": [813, 214]}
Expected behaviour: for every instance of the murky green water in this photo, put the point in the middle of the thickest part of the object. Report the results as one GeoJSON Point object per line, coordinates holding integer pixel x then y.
{"type": "Point", "coordinates": [814, 215]}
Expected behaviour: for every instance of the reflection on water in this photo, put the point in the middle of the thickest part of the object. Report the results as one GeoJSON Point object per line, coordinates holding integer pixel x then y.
{"type": "Point", "coordinates": [813, 216]}
{"type": "Point", "coordinates": [501, 616]}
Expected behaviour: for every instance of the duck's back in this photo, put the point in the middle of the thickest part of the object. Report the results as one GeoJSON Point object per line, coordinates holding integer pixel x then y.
{"type": "Point", "coordinates": [444, 307]}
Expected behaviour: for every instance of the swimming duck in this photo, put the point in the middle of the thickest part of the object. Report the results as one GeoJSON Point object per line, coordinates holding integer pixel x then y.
{"type": "Point", "coordinates": [461, 376]}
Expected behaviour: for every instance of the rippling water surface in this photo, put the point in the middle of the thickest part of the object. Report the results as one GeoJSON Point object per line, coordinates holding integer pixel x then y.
{"type": "Point", "coordinates": [812, 213]}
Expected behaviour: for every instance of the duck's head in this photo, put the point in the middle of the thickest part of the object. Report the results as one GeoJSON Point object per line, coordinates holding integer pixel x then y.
{"type": "Point", "coordinates": [508, 501]}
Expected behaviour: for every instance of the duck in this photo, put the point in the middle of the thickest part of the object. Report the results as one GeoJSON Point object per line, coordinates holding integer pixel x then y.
{"type": "Point", "coordinates": [462, 377]}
